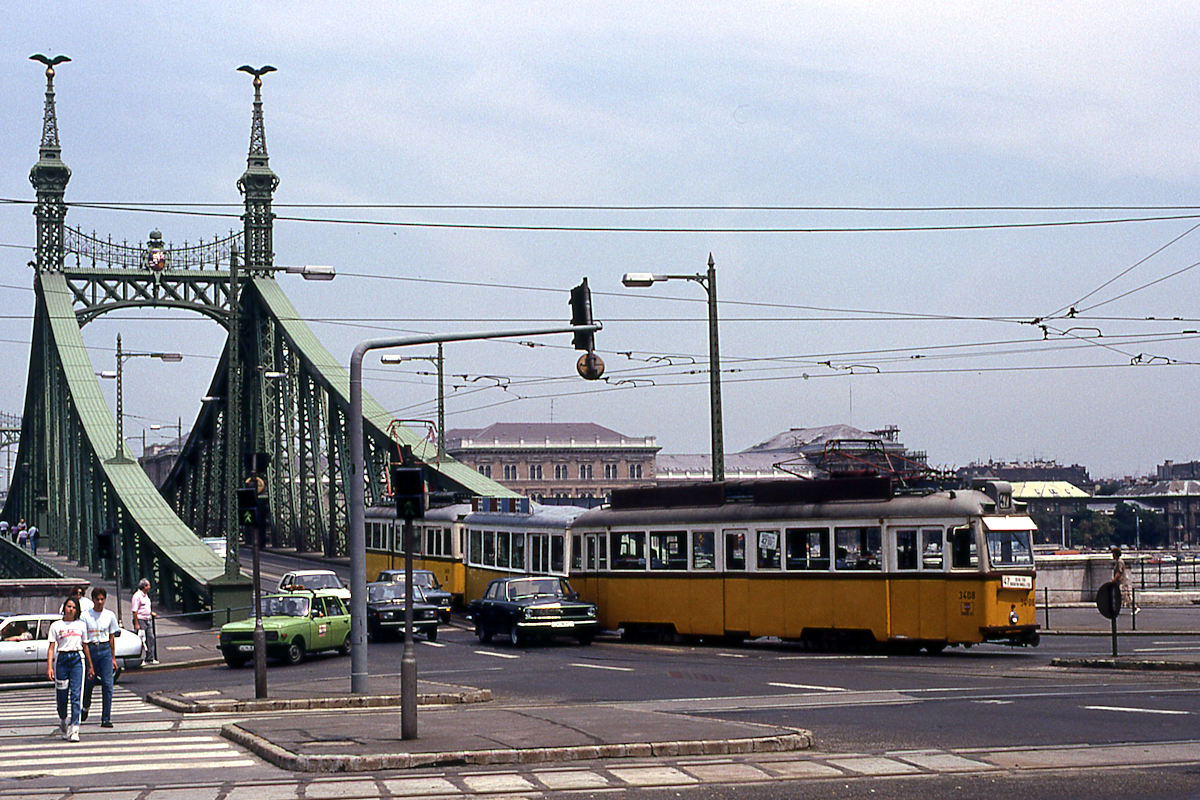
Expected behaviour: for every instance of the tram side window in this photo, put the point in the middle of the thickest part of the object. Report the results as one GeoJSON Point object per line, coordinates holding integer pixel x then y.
{"type": "Point", "coordinates": [963, 552]}
{"type": "Point", "coordinates": [517, 556]}
{"type": "Point", "coordinates": [668, 550]}
{"type": "Point", "coordinates": [502, 540]}
{"type": "Point", "coordinates": [858, 549]}
{"type": "Point", "coordinates": [576, 551]}
{"type": "Point", "coordinates": [602, 551]}
{"type": "Point", "coordinates": [539, 558]}
{"type": "Point", "coordinates": [931, 549]}
{"type": "Point", "coordinates": [807, 548]}
{"type": "Point", "coordinates": [768, 549]}
{"type": "Point", "coordinates": [735, 550]}
{"type": "Point", "coordinates": [702, 550]}
{"type": "Point", "coordinates": [475, 547]}
{"type": "Point", "coordinates": [489, 548]}
{"type": "Point", "coordinates": [906, 550]}
{"type": "Point", "coordinates": [557, 553]}
{"type": "Point", "coordinates": [629, 551]}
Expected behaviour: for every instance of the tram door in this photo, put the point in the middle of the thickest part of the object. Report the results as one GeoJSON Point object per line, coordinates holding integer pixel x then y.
{"type": "Point", "coordinates": [916, 595]}
{"type": "Point", "coordinates": [735, 545]}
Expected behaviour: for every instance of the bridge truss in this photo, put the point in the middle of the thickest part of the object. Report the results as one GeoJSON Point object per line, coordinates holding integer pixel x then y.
{"type": "Point", "coordinates": [276, 390]}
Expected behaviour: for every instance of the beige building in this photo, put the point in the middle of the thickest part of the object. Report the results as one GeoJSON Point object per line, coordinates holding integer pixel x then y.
{"type": "Point", "coordinates": [569, 463]}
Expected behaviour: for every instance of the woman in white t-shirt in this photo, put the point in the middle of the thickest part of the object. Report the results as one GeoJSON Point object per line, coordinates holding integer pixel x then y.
{"type": "Point", "coordinates": [64, 665]}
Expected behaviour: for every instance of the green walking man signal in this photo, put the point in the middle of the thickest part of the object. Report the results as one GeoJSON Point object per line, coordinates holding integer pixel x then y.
{"type": "Point", "coordinates": [248, 506]}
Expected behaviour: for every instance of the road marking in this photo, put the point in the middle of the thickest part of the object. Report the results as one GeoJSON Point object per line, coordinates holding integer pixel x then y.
{"type": "Point", "coordinates": [994, 702]}
{"type": "Point", "coordinates": [808, 686]}
{"type": "Point", "coordinates": [428, 643]}
{"type": "Point", "coordinates": [732, 655]}
{"type": "Point", "coordinates": [600, 666]}
{"type": "Point", "coordinates": [826, 658]}
{"type": "Point", "coordinates": [1190, 649]}
{"type": "Point", "coordinates": [494, 654]}
{"type": "Point", "coordinates": [1138, 710]}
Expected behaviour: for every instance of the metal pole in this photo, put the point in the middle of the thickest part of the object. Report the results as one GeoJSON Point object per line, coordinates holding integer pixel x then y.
{"type": "Point", "coordinates": [120, 455]}
{"type": "Point", "coordinates": [355, 486]}
{"type": "Point", "coordinates": [232, 420]}
{"type": "Point", "coordinates": [408, 659]}
{"type": "Point", "coordinates": [714, 375]}
{"type": "Point", "coordinates": [441, 429]}
{"type": "Point", "coordinates": [260, 635]}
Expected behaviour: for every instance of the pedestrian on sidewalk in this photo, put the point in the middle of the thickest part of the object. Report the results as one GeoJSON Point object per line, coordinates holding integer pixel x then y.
{"type": "Point", "coordinates": [4, 529]}
{"type": "Point", "coordinates": [79, 594]}
{"type": "Point", "coordinates": [65, 660]}
{"type": "Point", "coordinates": [102, 633]}
{"type": "Point", "coordinates": [143, 619]}
{"type": "Point", "coordinates": [33, 539]}
{"type": "Point", "coordinates": [1120, 576]}
{"type": "Point", "coordinates": [23, 536]}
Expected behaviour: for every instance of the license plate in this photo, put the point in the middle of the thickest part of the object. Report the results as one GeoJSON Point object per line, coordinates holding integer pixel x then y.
{"type": "Point", "coordinates": [562, 623]}
{"type": "Point", "coordinates": [245, 648]}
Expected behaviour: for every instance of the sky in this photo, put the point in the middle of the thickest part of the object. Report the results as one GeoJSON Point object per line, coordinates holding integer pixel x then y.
{"type": "Point", "coordinates": [873, 180]}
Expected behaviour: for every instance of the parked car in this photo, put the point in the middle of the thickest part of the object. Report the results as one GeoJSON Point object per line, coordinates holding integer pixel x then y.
{"type": "Point", "coordinates": [26, 657]}
{"type": "Point", "coordinates": [315, 579]}
{"type": "Point", "coordinates": [434, 593]}
{"type": "Point", "coordinates": [525, 608]}
{"type": "Point", "coordinates": [296, 624]}
{"type": "Point", "coordinates": [385, 611]}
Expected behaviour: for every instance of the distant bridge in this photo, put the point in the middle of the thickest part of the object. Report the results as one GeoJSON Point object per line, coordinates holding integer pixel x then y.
{"type": "Point", "coordinates": [276, 390]}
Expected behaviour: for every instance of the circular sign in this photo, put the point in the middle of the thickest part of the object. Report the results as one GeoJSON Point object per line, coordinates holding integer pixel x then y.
{"type": "Point", "coordinates": [1108, 600]}
{"type": "Point", "coordinates": [590, 366]}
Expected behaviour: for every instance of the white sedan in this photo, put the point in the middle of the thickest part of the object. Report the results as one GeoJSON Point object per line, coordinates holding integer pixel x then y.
{"type": "Point", "coordinates": [24, 644]}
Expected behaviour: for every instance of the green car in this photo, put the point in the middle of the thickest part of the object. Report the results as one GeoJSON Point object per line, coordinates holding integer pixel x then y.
{"type": "Point", "coordinates": [296, 623]}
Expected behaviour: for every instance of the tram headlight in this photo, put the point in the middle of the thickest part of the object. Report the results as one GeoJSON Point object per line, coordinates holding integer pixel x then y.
{"type": "Point", "coordinates": [1013, 618]}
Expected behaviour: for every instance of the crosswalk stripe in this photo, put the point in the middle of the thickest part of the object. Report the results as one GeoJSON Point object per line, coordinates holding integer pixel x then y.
{"type": "Point", "coordinates": [151, 766]}
{"type": "Point", "coordinates": [70, 755]}
{"type": "Point", "coordinates": [102, 742]}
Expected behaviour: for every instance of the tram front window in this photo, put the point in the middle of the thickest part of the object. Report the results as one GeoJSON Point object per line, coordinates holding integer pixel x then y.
{"type": "Point", "coordinates": [1009, 549]}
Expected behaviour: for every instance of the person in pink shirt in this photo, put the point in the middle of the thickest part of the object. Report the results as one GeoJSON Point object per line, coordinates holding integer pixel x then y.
{"type": "Point", "coordinates": [143, 619]}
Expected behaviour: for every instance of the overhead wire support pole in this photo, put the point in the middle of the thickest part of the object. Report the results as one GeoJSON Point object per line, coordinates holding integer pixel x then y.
{"type": "Point", "coordinates": [355, 487]}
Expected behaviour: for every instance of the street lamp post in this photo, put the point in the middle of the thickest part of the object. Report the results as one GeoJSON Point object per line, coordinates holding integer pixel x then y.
{"type": "Point", "coordinates": [709, 281]}
{"type": "Point", "coordinates": [120, 457]}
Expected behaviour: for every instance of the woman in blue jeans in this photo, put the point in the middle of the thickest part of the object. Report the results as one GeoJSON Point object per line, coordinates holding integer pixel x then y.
{"type": "Point", "coordinates": [64, 665]}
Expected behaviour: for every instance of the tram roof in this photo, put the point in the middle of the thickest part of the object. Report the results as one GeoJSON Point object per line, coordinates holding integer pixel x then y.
{"type": "Point", "coordinates": [539, 516]}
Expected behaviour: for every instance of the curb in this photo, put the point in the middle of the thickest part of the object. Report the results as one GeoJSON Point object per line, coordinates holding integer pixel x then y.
{"type": "Point", "coordinates": [196, 662]}
{"type": "Point", "coordinates": [1113, 663]}
{"type": "Point", "coordinates": [303, 703]}
{"type": "Point", "coordinates": [1121, 632]}
{"type": "Point", "coordinates": [286, 759]}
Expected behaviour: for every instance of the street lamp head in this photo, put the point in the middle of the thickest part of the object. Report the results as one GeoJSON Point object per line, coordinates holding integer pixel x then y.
{"type": "Point", "coordinates": [313, 272]}
{"type": "Point", "coordinates": [170, 357]}
{"type": "Point", "coordinates": [108, 373]}
{"type": "Point", "coordinates": [208, 398]}
{"type": "Point", "coordinates": [638, 279]}
{"type": "Point", "coordinates": [273, 375]}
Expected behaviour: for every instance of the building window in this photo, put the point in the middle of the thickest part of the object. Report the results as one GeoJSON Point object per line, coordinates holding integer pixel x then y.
{"type": "Point", "coordinates": [510, 472]}
{"type": "Point", "coordinates": [560, 472]}
{"type": "Point", "coordinates": [485, 470]}
{"type": "Point", "coordinates": [535, 472]}
{"type": "Point", "coordinates": [585, 472]}
{"type": "Point", "coordinates": [610, 472]}
{"type": "Point", "coordinates": [635, 471]}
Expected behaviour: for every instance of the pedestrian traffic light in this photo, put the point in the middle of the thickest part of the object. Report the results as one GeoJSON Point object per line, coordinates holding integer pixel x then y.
{"type": "Point", "coordinates": [257, 463]}
{"type": "Point", "coordinates": [104, 544]}
{"type": "Point", "coordinates": [408, 490]}
{"type": "Point", "coordinates": [247, 498]}
{"type": "Point", "coordinates": [581, 314]}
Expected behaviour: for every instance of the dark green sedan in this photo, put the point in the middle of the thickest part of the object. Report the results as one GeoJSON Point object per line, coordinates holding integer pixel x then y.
{"type": "Point", "coordinates": [296, 623]}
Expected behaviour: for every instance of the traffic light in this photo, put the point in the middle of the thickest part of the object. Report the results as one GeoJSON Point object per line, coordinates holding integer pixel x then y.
{"type": "Point", "coordinates": [104, 544]}
{"type": "Point", "coordinates": [581, 314]}
{"type": "Point", "coordinates": [408, 490]}
{"type": "Point", "coordinates": [257, 463]}
{"type": "Point", "coordinates": [247, 506]}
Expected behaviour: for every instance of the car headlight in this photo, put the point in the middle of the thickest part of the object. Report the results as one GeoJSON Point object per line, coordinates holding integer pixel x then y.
{"type": "Point", "coordinates": [525, 613]}
{"type": "Point", "coordinates": [1013, 618]}
{"type": "Point", "coordinates": [592, 611]}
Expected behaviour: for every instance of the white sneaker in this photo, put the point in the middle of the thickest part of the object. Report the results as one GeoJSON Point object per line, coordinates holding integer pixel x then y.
{"type": "Point", "coordinates": [62, 726]}
{"type": "Point", "coordinates": [73, 733]}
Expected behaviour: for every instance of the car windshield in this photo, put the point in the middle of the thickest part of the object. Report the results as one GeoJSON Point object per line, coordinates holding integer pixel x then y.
{"type": "Point", "coordinates": [535, 587]}
{"type": "Point", "coordinates": [425, 580]}
{"type": "Point", "coordinates": [384, 592]}
{"type": "Point", "coordinates": [318, 581]}
{"type": "Point", "coordinates": [282, 606]}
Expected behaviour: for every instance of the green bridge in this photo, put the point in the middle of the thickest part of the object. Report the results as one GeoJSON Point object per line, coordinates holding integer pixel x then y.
{"type": "Point", "coordinates": [276, 390]}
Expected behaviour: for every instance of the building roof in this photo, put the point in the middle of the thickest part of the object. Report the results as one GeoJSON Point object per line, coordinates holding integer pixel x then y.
{"type": "Point", "coordinates": [1161, 489]}
{"type": "Point", "coordinates": [795, 438]}
{"type": "Point", "coordinates": [1040, 490]}
{"type": "Point", "coordinates": [737, 465]}
{"type": "Point", "coordinates": [541, 434]}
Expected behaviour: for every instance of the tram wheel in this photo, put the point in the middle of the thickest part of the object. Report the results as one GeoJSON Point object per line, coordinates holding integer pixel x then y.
{"type": "Point", "coordinates": [933, 648]}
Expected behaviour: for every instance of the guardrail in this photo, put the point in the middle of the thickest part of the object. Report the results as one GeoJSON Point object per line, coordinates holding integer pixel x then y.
{"type": "Point", "coordinates": [1168, 571]}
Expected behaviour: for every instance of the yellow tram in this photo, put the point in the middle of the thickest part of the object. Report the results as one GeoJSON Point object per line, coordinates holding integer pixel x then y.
{"type": "Point", "coordinates": [439, 537]}
{"type": "Point", "coordinates": [832, 561]}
